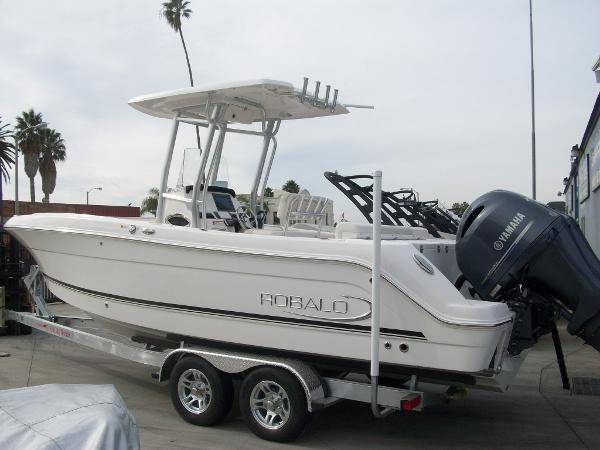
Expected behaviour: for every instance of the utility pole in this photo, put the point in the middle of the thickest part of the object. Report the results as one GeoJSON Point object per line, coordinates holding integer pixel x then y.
{"type": "Point", "coordinates": [533, 173]}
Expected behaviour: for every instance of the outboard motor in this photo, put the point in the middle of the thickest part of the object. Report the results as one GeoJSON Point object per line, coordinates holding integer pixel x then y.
{"type": "Point", "coordinates": [516, 250]}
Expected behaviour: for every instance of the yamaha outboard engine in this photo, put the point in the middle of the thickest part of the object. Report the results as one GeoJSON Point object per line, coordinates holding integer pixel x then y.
{"type": "Point", "coordinates": [513, 249]}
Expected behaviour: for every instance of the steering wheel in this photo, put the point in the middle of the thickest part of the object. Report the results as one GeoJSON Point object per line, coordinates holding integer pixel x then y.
{"type": "Point", "coordinates": [246, 218]}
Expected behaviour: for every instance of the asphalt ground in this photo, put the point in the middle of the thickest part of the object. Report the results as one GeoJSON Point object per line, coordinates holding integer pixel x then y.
{"type": "Point", "coordinates": [535, 413]}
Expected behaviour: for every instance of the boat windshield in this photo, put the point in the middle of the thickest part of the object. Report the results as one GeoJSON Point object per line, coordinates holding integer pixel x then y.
{"type": "Point", "coordinates": [188, 171]}
{"type": "Point", "coordinates": [189, 167]}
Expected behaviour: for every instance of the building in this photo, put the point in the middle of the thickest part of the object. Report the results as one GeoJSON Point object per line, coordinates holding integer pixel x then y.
{"type": "Point", "coordinates": [8, 209]}
{"type": "Point", "coordinates": [582, 186]}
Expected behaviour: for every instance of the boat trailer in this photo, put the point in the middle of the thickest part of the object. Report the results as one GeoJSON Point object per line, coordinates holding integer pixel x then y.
{"type": "Point", "coordinates": [320, 391]}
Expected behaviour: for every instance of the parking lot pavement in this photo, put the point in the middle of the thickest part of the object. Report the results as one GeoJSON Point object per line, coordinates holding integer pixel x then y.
{"type": "Point", "coordinates": [534, 413]}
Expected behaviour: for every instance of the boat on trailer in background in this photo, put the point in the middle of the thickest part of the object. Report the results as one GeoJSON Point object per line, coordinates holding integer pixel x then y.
{"type": "Point", "coordinates": [395, 301]}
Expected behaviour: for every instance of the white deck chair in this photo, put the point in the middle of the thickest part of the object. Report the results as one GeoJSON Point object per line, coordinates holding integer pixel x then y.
{"type": "Point", "coordinates": [301, 208]}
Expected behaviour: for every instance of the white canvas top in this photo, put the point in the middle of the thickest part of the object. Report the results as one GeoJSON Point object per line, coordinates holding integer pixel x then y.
{"type": "Point", "coordinates": [279, 99]}
{"type": "Point", "coordinates": [68, 417]}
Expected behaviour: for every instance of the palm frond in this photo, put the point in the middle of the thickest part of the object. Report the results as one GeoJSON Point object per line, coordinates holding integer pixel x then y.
{"type": "Point", "coordinates": [52, 145]}
{"type": "Point", "coordinates": [150, 203]}
{"type": "Point", "coordinates": [28, 140]}
{"type": "Point", "coordinates": [6, 151]}
{"type": "Point", "coordinates": [173, 11]}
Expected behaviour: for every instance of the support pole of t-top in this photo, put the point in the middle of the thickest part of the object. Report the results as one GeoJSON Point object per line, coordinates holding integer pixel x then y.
{"type": "Point", "coordinates": [160, 208]}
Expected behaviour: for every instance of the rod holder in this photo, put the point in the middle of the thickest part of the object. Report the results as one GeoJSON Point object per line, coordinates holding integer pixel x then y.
{"type": "Point", "coordinates": [327, 89]}
{"type": "Point", "coordinates": [334, 103]}
{"type": "Point", "coordinates": [304, 88]}
{"type": "Point", "coordinates": [316, 97]}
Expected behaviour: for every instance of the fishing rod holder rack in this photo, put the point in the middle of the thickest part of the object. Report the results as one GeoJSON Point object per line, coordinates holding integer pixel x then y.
{"type": "Point", "coordinates": [314, 98]}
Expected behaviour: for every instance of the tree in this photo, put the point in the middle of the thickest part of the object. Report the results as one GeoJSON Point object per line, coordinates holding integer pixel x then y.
{"type": "Point", "coordinates": [243, 198]}
{"type": "Point", "coordinates": [52, 149]}
{"type": "Point", "coordinates": [7, 150]}
{"type": "Point", "coordinates": [459, 208]}
{"type": "Point", "coordinates": [173, 11]}
{"type": "Point", "coordinates": [268, 192]}
{"type": "Point", "coordinates": [291, 186]}
{"type": "Point", "coordinates": [150, 203]}
{"type": "Point", "coordinates": [29, 144]}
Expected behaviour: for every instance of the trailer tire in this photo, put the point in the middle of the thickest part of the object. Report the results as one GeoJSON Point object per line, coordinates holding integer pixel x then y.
{"type": "Point", "coordinates": [201, 394]}
{"type": "Point", "coordinates": [273, 404]}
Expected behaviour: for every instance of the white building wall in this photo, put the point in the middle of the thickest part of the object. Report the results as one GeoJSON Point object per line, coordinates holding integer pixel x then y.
{"type": "Point", "coordinates": [587, 210]}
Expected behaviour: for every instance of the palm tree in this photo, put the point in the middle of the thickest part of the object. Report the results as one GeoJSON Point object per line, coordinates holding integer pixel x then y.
{"type": "Point", "coordinates": [291, 186]}
{"type": "Point", "coordinates": [173, 11]}
{"type": "Point", "coordinates": [150, 203]}
{"type": "Point", "coordinates": [29, 144]}
{"type": "Point", "coordinates": [6, 160]}
{"type": "Point", "coordinates": [52, 149]}
{"type": "Point", "coordinates": [459, 208]}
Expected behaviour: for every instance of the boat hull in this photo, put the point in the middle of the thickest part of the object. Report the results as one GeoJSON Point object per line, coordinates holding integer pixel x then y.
{"type": "Point", "coordinates": [274, 293]}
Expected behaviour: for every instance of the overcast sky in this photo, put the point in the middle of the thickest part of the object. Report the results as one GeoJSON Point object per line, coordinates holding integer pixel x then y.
{"type": "Point", "coordinates": [449, 81]}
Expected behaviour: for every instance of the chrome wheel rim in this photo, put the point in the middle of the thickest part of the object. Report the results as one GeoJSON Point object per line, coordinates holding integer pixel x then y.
{"type": "Point", "coordinates": [195, 393]}
{"type": "Point", "coordinates": [270, 405]}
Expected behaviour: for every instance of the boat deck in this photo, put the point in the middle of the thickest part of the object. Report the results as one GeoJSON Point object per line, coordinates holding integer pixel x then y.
{"type": "Point", "coordinates": [534, 413]}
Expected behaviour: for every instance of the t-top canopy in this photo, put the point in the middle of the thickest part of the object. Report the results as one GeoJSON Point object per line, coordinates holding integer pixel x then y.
{"type": "Point", "coordinates": [246, 102]}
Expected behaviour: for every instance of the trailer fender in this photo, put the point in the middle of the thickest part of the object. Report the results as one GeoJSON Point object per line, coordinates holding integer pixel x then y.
{"type": "Point", "coordinates": [232, 362]}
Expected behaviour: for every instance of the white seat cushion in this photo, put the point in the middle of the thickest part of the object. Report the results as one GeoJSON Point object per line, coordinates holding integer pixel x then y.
{"type": "Point", "coordinates": [274, 230]}
{"type": "Point", "coordinates": [351, 230]}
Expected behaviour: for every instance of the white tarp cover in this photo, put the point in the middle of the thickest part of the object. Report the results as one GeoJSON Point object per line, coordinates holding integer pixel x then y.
{"type": "Point", "coordinates": [66, 416]}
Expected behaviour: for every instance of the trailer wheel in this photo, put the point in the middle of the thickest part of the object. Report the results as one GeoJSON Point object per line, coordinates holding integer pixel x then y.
{"type": "Point", "coordinates": [274, 404]}
{"type": "Point", "coordinates": [200, 393]}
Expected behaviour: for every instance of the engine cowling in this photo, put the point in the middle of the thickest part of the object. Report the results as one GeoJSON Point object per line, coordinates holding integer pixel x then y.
{"type": "Point", "coordinates": [507, 241]}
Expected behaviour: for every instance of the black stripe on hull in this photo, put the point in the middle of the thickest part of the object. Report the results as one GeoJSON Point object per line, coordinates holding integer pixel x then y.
{"type": "Point", "coordinates": [389, 332]}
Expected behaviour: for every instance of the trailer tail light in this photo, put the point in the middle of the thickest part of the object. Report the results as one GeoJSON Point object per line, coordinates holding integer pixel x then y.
{"type": "Point", "coordinates": [410, 403]}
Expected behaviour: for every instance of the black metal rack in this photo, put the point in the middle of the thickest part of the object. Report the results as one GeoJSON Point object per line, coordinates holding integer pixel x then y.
{"type": "Point", "coordinates": [400, 207]}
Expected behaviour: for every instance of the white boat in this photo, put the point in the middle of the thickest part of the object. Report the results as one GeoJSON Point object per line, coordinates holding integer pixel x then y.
{"type": "Point", "coordinates": [206, 271]}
